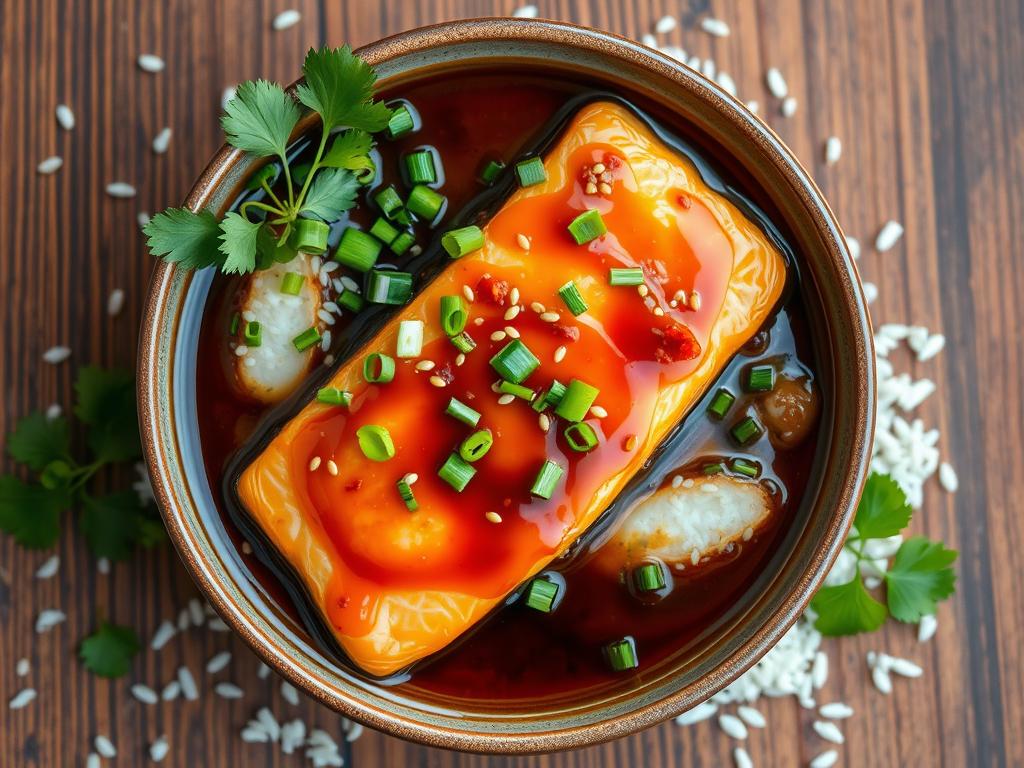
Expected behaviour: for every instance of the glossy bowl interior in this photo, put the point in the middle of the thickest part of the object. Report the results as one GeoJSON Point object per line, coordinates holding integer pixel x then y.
{"type": "Point", "coordinates": [836, 309]}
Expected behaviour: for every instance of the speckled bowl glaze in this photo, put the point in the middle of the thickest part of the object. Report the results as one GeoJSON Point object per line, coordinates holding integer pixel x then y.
{"type": "Point", "coordinates": [837, 311]}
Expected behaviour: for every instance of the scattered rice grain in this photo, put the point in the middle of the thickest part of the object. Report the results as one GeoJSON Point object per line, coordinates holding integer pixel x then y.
{"type": "Point", "coordinates": [57, 354]}
{"type": "Point", "coordinates": [48, 619]}
{"type": "Point", "coordinates": [50, 165]}
{"type": "Point", "coordinates": [65, 117]}
{"type": "Point", "coordinates": [188, 683]}
{"type": "Point", "coordinates": [733, 726]}
{"type": "Point", "coordinates": [836, 710]}
{"type": "Point", "coordinates": [149, 62]}
{"type": "Point", "coordinates": [888, 236]}
{"type": "Point", "coordinates": [828, 731]}
{"type": "Point", "coordinates": [162, 141]}
{"type": "Point", "coordinates": [286, 19]}
{"type": "Point", "coordinates": [22, 698]}
{"type": "Point", "coordinates": [49, 567]}
{"type": "Point", "coordinates": [105, 746]}
{"type": "Point", "coordinates": [825, 760]}
{"type": "Point", "coordinates": [158, 749]}
{"type": "Point", "coordinates": [776, 83]}
{"type": "Point", "coordinates": [289, 693]}
{"type": "Point", "coordinates": [120, 189]}
{"type": "Point", "coordinates": [714, 26]}
{"type": "Point", "coordinates": [144, 693]}
{"type": "Point", "coordinates": [665, 24]}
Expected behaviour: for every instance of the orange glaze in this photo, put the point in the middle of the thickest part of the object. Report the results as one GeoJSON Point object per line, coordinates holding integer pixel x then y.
{"type": "Point", "coordinates": [397, 586]}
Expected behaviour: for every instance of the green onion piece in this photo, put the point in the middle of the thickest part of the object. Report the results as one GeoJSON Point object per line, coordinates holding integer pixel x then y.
{"type": "Point", "coordinates": [463, 342]}
{"type": "Point", "coordinates": [425, 202]}
{"type": "Point", "coordinates": [410, 338]}
{"type": "Point", "coordinates": [358, 249]}
{"type": "Point", "coordinates": [460, 411]}
{"type": "Point", "coordinates": [649, 577]}
{"type": "Point", "coordinates": [515, 362]}
{"type": "Point", "coordinates": [456, 472]}
{"type": "Point", "coordinates": [626, 276]}
{"type": "Point", "coordinates": [459, 242]}
{"type": "Point", "coordinates": [402, 243]}
{"type": "Point", "coordinates": [520, 391]}
{"type": "Point", "coordinates": [531, 172]}
{"type": "Point", "coordinates": [491, 171]}
{"type": "Point", "coordinates": [333, 396]}
{"type": "Point", "coordinates": [307, 339]}
{"type": "Point", "coordinates": [621, 655]}
{"type": "Point", "coordinates": [350, 300]}
{"type": "Point", "coordinates": [551, 398]}
{"type": "Point", "coordinates": [400, 123]}
{"type": "Point", "coordinates": [761, 378]}
{"type": "Point", "coordinates": [268, 173]}
{"type": "Point", "coordinates": [453, 315]}
{"type": "Point", "coordinates": [581, 437]}
{"type": "Point", "coordinates": [388, 287]}
{"type": "Point", "coordinates": [541, 594]}
{"type": "Point", "coordinates": [253, 334]}
{"type": "Point", "coordinates": [389, 202]}
{"type": "Point", "coordinates": [573, 300]}
{"type": "Point", "coordinates": [721, 403]}
{"type": "Point", "coordinates": [291, 283]}
{"type": "Point", "coordinates": [384, 231]}
{"type": "Point", "coordinates": [309, 236]}
{"type": "Point", "coordinates": [476, 445]}
{"type": "Point", "coordinates": [576, 401]}
{"type": "Point", "coordinates": [236, 319]}
{"type": "Point", "coordinates": [746, 431]}
{"type": "Point", "coordinates": [405, 491]}
{"type": "Point", "coordinates": [744, 467]}
{"type": "Point", "coordinates": [547, 478]}
{"type": "Point", "coordinates": [378, 368]}
{"type": "Point", "coordinates": [375, 442]}
{"type": "Point", "coordinates": [714, 469]}
{"type": "Point", "coordinates": [587, 226]}
{"type": "Point", "coordinates": [419, 166]}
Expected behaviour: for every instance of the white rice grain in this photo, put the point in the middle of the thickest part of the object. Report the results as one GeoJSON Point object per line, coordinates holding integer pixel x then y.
{"type": "Point", "coordinates": [833, 150]}
{"type": "Point", "coordinates": [54, 411]}
{"type": "Point", "coordinates": [162, 141]}
{"type": "Point", "coordinates": [789, 105]}
{"type": "Point", "coordinates": [218, 662]}
{"type": "Point", "coordinates": [216, 624]}
{"type": "Point", "coordinates": [699, 713]}
{"type": "Point", "coordinates": [263, 672]}
{"type": "Point", "coordinates": [22, 698]}
{"type": "Point", "coordinates": [228, 691]}
{"type": "Point", "coordinates": [888, 236]}
{"type": "Point", "coordinates": [289, 693]}
{"type": "Point", "coordinates": [934, 344]}
{"type": "Point", "coordinates": [48, 619]}
{"type": "Point", "coordinates": [56, 354]}
{"type": "Point", "coordinates": [65, 117]}
{"type": "Point", "coordinates": [103, 566]}
{"type": "Point", "coordinates": [49, 568]}
{"type": "Point", "coordinates": [715, 27]}
{"type": "Point", "coordinates": [144, 693]}
{"type": "Point", "coordinates": [828, 731]}
{"type": "Point", "coordinates": [904, 667]}
{"type": "Point", "coordinates": [870, 292]}
{"type": "Point", "coordinates": [854, 245]}
{"type": "Point", "coordinates": [819, 670]}
{"type": "Point", "coordinates": [188, 683]}
{"type": "Point", "coordinates": [881, 680]}
{"type": "Point", "coordinates": [286, 19]}
{"type": "Point", "coordinates": [115, 302]}
{"type": "Point", "coordinates": [293, 736]}
{"type": "Point", "coordinates": [158, 749]}
{"type": "Point", "coordinates": [836, 710]}
{"type": "Point", "coordinates": [725, 80]}
{"type": "Point", "coordinates": [195, 612]}
{"type": "Point", "coordinates": [265, 718]}
{"type": "Point", "coordinates": [23, 667]}
{"type": "Point", "coordinates": [50, 165]}
{"type": "Point", "coordinates": [92, 760]}
{"type": "Point", "coordinates": [162, 636]}
{"type": "Point", "coordinates": [105, 746]}
{"type": "Point", "coordinates": [649, 40]}
{"type": "Point", "coordinates": [732, 726]}
{"type": "Point", "coordinates": [120, 189]}
{"type": "Point", "coordinates": [751, 716]}
{"type": "Point", "coordinates": [227, 95]}
{"type": "Point", "coordinates": [776, 83]}
{"type": "Point", "coordinates": [665, 24]}
{"type": "Point", "coordinates": [825, 759]}
{"type": "Point", "coordinates": [149, 62]}
{"type": "Point", "coordinates": [142, 217]}
{"type": "Point", "coordinates": [171, 691]}
{"type": "Point", "coordinates": [753, 105]}
{"type": "Point", "coordinates": [525, 12]}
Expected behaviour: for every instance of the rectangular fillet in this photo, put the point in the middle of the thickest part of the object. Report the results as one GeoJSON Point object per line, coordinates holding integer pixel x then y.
{"type": "Point", "coordinates": [394, 586]}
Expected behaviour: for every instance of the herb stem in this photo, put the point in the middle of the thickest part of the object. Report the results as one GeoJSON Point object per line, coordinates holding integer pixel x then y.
{"type": "Point", "coordinates": [257, 204]}
{"type": "Point", "coordinates": [270, 194]}
{"type": "Point", "coordinates": [324, 135]}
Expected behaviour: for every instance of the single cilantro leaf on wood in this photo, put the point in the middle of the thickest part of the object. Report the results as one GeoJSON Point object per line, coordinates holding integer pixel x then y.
{"type": "Point", "coordinates": [332, 192]}
{"type": "Point", "coordinates": [921, 574]}
{"type": "Point", "coordinates": [351, 151]}
{"type": "Point", "coordinates": [38, 440]}
{"type": "Point", "coordinates": [109, 651]}
{"type": "Point", "coordinates": [113, 525]}
{"type": "Point", "coordinates": [185, 238]}
{"type": "Point", "coordinates": [31, 513]}
{"type": "Point", "coordinates": [106, 402]}
{"type": "Point", "coordinates": [238, 242]}
{"type": "Point", "coordinates": [883, 510]}
{"type": "Point", "coordinates": [847, 609]}
{"type": "Point", "coordinates": [260, 119]}
{"type": "Point", "coordinates": [339, 86]}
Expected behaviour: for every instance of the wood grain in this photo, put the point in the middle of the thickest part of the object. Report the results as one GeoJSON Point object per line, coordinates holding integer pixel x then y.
{"type": "Point", "coordinates": [928, 97]}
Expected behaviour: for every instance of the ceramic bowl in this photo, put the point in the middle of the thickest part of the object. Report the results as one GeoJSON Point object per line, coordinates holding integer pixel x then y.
{"type": "Point", "coordinates": [837, 312]}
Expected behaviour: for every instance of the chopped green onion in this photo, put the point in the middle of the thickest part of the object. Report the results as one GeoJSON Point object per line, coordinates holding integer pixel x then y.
{"type": "Point", "coordinates": [573, 300]}
{"type": "Point", "coordinates": [581, 437]}
{"type": "Point", "coordinates": [476, 445]}
{"type": "Point", "coordinates": [463, 342]}
{"type": "Point", "coordinates": [621, 655]}
{"type": "Point", "coordinates": [518, 390]}
{"type": "Point", "coordinates": [358, 249]}
{"type": "Point", "coordinates": [626, 276]}
{"type": "Point", "coordinates": [389, 202]}
{"type": "Point", "coordinates": [309, 236]}
{"type": "Point", "coordinates": [410, 338]}
{"type": "Point", "coordinates": [576, 401]}
{"type": "Point", "coordinates": [456, 472]}
{"type": "Point", "coordinates": [402, 243]}
{"type": "Point", "coordinates": [551, 398]}
{"type": "Point", "coordinates": [649, 577]}
{"type": "Point", "coordinates": [419, 166]}
{"type": "Point", "coordinates": [388, 287]}
{"type": "Point", "coordinates": [333, 396]}
{"type": "Point", "coordinates": [746, 431]}
{"type": "Point", "coordinates": [268, 173]}
{"type": "Point", "coordinates": [531, 172]}
{"type": "Point", "coordinates": [515, 362]}
{"type": "Point", "coordinates": [350, 300]}
{"type": "Point", "coordinates": [425, 202]}
{"type": "Point", "coordinates": [714, 469]}
{"type": "Point", "coordinates": [384, 231]}
{"type": "Point", "coordinates": [453, 315]}
{"type": "Point", "coordinates": [547, 478]}
{"type": "Point", "coordinates": [460, 411]}
{"type": "Point", "coordinates": [761, 378]}
{"type": "Point", "coordinates": [744, 467]}
{"type": "Point", "coordinates": [253, 334]}
{"type": "Point", "coordinates": [459, 242]}
{"type": "Point", "coordinates": [236, 319]}
{"type": "Point", "coordinates": [375, 442]}
{"type": "Point", "coordinates": [587, 226]}
{"type": "Point", "coordinates": [721, 403]}
{"type": "Point", "coordinates": [291, 283]}
{"type": "Point", "coordinates": [378, 368]}
{"type": "Point", "coordinates": [405, 491]}
{"type": "Point", "coordinates": [541, 594]}
{"type": "Point", "coordinates": [400, 122]}
{"type": "Point", "coordinates": [491, 171]}
{"type": "Point", "coordinates": [307, 339]}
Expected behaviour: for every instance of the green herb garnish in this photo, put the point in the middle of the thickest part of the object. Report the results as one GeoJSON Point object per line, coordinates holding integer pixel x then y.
{"type": "Point", "coordinates": [109, 651]}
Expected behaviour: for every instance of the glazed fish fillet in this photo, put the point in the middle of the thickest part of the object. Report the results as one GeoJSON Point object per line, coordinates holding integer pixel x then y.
{"type": "Point", "coordinates": [395, 586]}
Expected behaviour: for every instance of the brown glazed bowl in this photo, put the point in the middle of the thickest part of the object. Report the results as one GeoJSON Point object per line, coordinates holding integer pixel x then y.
{"type": "Point", "coordinates": [837, 313]}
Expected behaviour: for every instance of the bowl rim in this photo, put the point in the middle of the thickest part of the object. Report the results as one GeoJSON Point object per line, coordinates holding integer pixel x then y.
{"type": "Point", "coordinates": [157, 312]}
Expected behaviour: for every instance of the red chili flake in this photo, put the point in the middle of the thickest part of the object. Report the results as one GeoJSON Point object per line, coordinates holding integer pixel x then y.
{"type": "Point", "coordinates": [343, 602]}
{"type": "Point", "coordinates": [354, 485]}
{"type": "Point", "coordinates": [611, 162]}
{"type": "Point", "coordinates": [569, 332]}
{"type": "Point", "coordinates": [677, 343]}
{"type": "Point", "coordinates": [685, 201]}
{"type": "Point", "coordinates": [492, 290]}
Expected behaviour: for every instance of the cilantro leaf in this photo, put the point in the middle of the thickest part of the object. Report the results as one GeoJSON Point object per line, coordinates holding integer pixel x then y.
{"type": "Point", "coordinates": [31, 513]}
{"type": "Point", "coordinates": [183, 237]}
{"type": "Point", "coordinates": [238, 242]}
{"type": "Point", "coordinates": [260, 119]}
{"type": "Point", "coordinates": [883, 510]}
{"type": "Point", "coordinates": [38, 440]}
{"type": "Point", "coordinates": [108, 652]}
{"type": "Point", "coordinates": [106, 402]}
{"type": "Point", "coordinates": [332, 192]}
{"type": "Point", "coordinates": [847, 609]}
{"type": "Point", "coordinates": [351, 150]}
{"type": "Point", "coordinates": [920, 576]}
{"type": "Point", "coordinates": [339, 86]}
{"type": "Point", "coordinates": [113, 525]}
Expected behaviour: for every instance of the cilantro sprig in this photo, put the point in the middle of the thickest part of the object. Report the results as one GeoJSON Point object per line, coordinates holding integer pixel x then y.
{"type": "Point", "coordinates": [921, 573]}
{"type": "Point", "coordinates": [260, 120]}
{"type": "Point", "coordinates": [108, 651]}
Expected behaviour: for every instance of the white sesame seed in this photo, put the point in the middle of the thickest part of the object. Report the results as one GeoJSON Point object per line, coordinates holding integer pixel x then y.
{"type": "Point", "coordinates": [544, 421]}
{"type": "Point", "coordinates": [549, 317]}
{"type": "Point", "coordinates": [105, 746]}
{"type": "Point", "coordinates": [332, 468]}
{"type": "Point", "coordinates": [437, 381]}
{"type": "Point", "coordinates": [512, 312]}
{"type": "Point", "coordinates": [789, 105]}
{"type": "Point", "coordinates": [411, 478]}
{"type": "Point", "coordinates": [478, 321]}
{"type": "Point", "coordinates": [694, 556]}
{"type": "Point", "coordinates": [460, 359]}
{"type": "Point", "coordinates": [162, 141]}
{"type": "Point", "coordinates": [776, 83]}
{"type": "Point", "coordinates": [498, 336]}
{"type": "Point", "coordinates": [523, 241]}
{"type": "Point", "coordinates": [537, 307]}
{"type": "Point", "coordinates": [50, 165]}
{"type": "Point", "coordinates": [286, 19]}
{"type": "Point", "coordinates": [425, 365]}
{"type": "Point", "coordinates": [65, 117]}
{"type": "Point", "coordinates": [833, 150]}
{"type": "Point", "coordinates": [598, 412]}
{"type": "Point", "coordinates": [658, 312]}
{"type": "Point", "coordinates": [695, 301]}
{"type": "Point", "coordinates": [604, 188]}
{"type": "Point", "coordinates": [513, 296]}
{"type": "Point", "coordinates": [643, 290]}
{"type": "Point", "coordinates": [120, 189]}
{"type": "Point", "coordinates": [468, 293]}
{"type": "Point", "coordinates": [144, 693]}
{"type": "Point", "coordinates": [888, 236]}
{"type": "Point", "coordinates": [49, 567]}
{"type": "Point", "coordinates": [506, 399]}
{"type": "Point", "coordinates": [591, 188]}
{"type": "Point", "coordinates": [715, 27]}
{"type": "Point", "coordinates": [511, 332]}
{"type": "Point", "coordinates": [115, 302]}
{"type": "Point", "coordinates": [492, 517]}
{"type": "Point", "coordinates": [149, 62]}
{"type": "Point", "coordinates": [55, 355]}
{"type": "Point", "coordinates": [665, 24]}
{"type": "Point", "coordinates": [241, 350]}
{"type": "Point", "coordinates": [560, 354]}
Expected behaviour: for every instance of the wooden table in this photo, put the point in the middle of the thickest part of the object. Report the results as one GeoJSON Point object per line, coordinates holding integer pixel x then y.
{"type": "Point", "coordinates": [928, 98]}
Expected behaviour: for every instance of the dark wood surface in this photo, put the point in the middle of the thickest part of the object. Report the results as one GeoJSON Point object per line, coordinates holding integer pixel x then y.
{"type": "Point", "coordinates": [928, 97]}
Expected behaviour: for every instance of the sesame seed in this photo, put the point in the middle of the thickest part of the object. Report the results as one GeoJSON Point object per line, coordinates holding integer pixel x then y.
{"type": "Point", "coordinates": [523, 241]}
{"type": "Point", "coordinates": [498, 336]}
{"type": "Point", "coordinates": [512, 332]}
{"type": "Point", "coordinates": [460, 359]}
{"type": "Point", "coordinates": [695, 301]}
{"type": "Point", "coordinates": [411, 478]}
{"type": "Point", "coordinates": [513, 296]}
{"type": "Point", "coordinates": [437, 381]}
{"type": "Point", "coordinates": [604, 188]}
{"type": "Point", "coordinates": [643, 290]}
{"type": "Point", "coordinates": [560, 354]}
{"type": "Point", "coordinates": [314, 464]}
{"type": "Point", "coordinates": [425, 365]}
{"type": "Point", "coordinates": [478, 321]}
{"type": "Point", "coordinates": [493, 517]}
{"type": "Point", "coordinates": [591, 188]}
{"type": "Point", "coordinates": [658, 312]}
{"type": "Point", "coordinates": [680, 296]}
{"type": "Point", "coordinates": [537, 307]}
{"type": "Point", "coordinates": [468, 293]}
{"type": "Point", "coordinates": [598, 412]}
{"type": "Point", "coordinates": [549, 317]}
{"type": "Point", "coordinates": [512, 312]}
{"type": "Point", "coordinates": [544, 421]}
{"type": "Point", "coordinates": [332, 468]}
{"type": "Point", "coordinates": [506, 399]}
{"type": "Point", "coordinates": [598, 168]}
